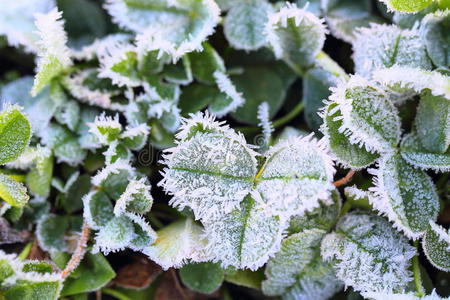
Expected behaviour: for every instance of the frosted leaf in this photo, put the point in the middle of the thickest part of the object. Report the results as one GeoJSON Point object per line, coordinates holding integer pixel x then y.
{"type": "Point", "coordinates": [205, 63]}
{"type": "Point", "coordinates": [436, 246]}
{"type": "Point", "coordinates": [407, 6]}
{"type": "Point", "coordinates": [296, 36]}
{"type": "Point", "coordinates": [68, 114]}
{"type": "Point", "coordinates": [368, 254]}
{"type": "Point", "coordinates": [407, 196]}
{"type": "Point", "coordinates": [54, 55]}
{"type": "Point", "coordinates": [344, 17]}
{"type": "Point", "coordinates": [171, 119]}
{"type": "Point", "coordinates": [179, 73]}
{"type": "Point", "coordinates": [51, 231]}
{"type": "Point", "coordinates": [233, 100]}
{"type": "Point", "coordinates": [434, 31]}
{"type": "Point", "coordinates": [12, 191]}
{"type": "Point", "coordinates": [265, 124]}
{"type": "Point", "coordinates": [136, 198]}
{"type": "Point", "coordinates": [383, 46]}
{"type": "Point", "coordinates": [114, 178]}
{"type": "Point", "coordinates": [98, 209]}
{"type": "Point", "coordinates": [402, 296]}
{"type": "Point", "coordinates": [15, 133]}
{"type": "Point", "coordinates": [245, 22]}
{"type": "Point", "coordinates": [324, 217]}
{"type": "Point", "coordinates": [297, 174]}
{"type": "Point", "coordinates": [106, 128]}
{"type": "Point", "coordinates": [347, 154]}
{"type": "Point", "coordinates": [172, 26]}
{"type": "Point", "coordinates": [287, 266]}
{"type": "Point", "coordinates": [212, 171]}
{"type": "Point", "coordinates": [116, 151]}
{"type": "Point", "coordinates": [39, 178]}
{"type": "Point", "coordinates": [433, 122]}
{"type": "Point", "coordinates": [29, 158]}
{"type": "Point", "coordinates": [244, 238]}
{"type": "Point", "coordinates": [91, 51]}
{"type": "Point", "coordinates": [369, 118]}
{"type": "Point", "coordinates": [416, 81]}
{"type": "Point", "coordinates": [178, 243]}
{"type": "Point", "coordinates": [135, 137]}
{"type": "Point", "coordinates": [87, 140]}
{"type": "Point", "coordinates": [114, 236]}
{"type": "Point", "coordinates": [414, 153]}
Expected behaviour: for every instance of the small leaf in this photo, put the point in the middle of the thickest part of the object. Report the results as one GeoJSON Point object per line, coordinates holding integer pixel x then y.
{"type": "Point", "coordinates": [51, 232]}
{"type": "Point", "coordinates": [407, 196]}
{"type": "Point", "coordinates": [205, 63]}
{"type": "Point", "coordinates": [114, 178]}
{"type": "Point", "coordinates": [383, 46]}
{"type": "Point", "coordinates": [180, 73]}
{"type": "Point", "coordinates": [434, 31]}
{"type": "Point", "coordinates": [136, 198]}
{"type": "Point", "coordinates": [135, 137]}
{"type": "Point", "coordinates": [407, 6]}
{"type": "Point", "coordinates": [98, 209]}
{"type": "Point", "coordinates": [245, 278]}
{"type": "Point", "coordinates": [39, 178]}
{"type": "Point", "coordinates": [369, 118]}
{"type": "Point", "coordinates": [105, 128]}
{"type": "Point", "coordinates": [368, 254]}
{"type": "Point", "coordinates": [414, 153]}
{"type": "Point", "coordinates": [347, 154]}
{"type": "Point", "coordinates": [13, 192]}
{"type": "Point", "coordinates": [177, 243]}
{"type": "Point", "coordinates": [15, 133]}
{"type": "Point", "coordinates": [68, 114]}
{"type": "Point", "coordinates": [245, 22]}
{"type": "Point", "coordinates": [231, 99]}
{"type": "Point", "coordinates": [436, 245]}
{"type": "Point", "coordinates": [296, 36]}
{"type": "Point", "coordinates": [202, 277]}
{"type": "Point", "coordinates": [433, 122]}
{"type": "Point", "coordinates": [115, 235]}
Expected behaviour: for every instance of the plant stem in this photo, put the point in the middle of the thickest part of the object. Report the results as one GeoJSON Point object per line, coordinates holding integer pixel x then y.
{"type": "Point", "coordinates": [345, 208]}
{"type": "Point", "coordinates": [420, 292]}
{"type": "Point", "coordinates": [346, 179]}
{"type": "Point", "coordinates": [115, 294]}
{"type": "Point", "coordinates": [79, 252]}
{"type": "Point", "coordinates": [26, 251]}
{"type": "Point", "coordinates": [290, 116]}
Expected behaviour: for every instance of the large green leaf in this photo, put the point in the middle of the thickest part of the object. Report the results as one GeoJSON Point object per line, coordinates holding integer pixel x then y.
{"type": "Point", "coordinates": [15, 133]}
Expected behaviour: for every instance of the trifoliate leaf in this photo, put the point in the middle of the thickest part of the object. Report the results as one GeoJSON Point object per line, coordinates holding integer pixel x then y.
{"type": "Point", "coordinates": [204, 277]}
{"type": "Point", "coordinates": [347, 154]}
{"type": "Point", "coordinates": [433, 122]}
{"type": "Point", "coordinates": [416, 81]}
{"type": "Point", "coordinates": [345, 16]}
{"type": "Point", "coordinates": [297, 174]}
{"type": "Point", "coordinates": [406, 195]}
{"type": "Point", "coordinates": [114, 178]}
{"type": "Point", "coordinates": [135, 199]}
{"type": "Point", "coordinates": [115, 235]}
{"type": "Point", "coordinates": [51, 231]}
{"type": "Point", "coordinates": [383, 46]}
{"type": "Point", "coordinates": [54, 55]}
{"type": "Point", "coordinates": [414, 153]}
{"type": "Point", "coordinates": [174, 27]}
{"type": "Point", "coordinates": [40, 177]}
{"type": "Point", "coordinates": [296, 36]}
{"type": "Point", "coordinates": [205, 63]}
{"type": "Point", "coordinates": [369, 118]}
{"type": "Point", "coordinates": [212, 171]}
{"type": "Point", "coordinates": [288, 265]}
{"type": "Point", "coordinates": [98, 209]}
{"type": "Point", "coordinates": [178, 243]}
{"type": "Point", "coordinates": [436, 245]}
{"type": "Point", "coordinates": [13, 192]}
{"type": "Point", "coordinates": [368, 254]}
{"type": "Point", "coordinates": [407, 6]}
{"type": "Point", "coordinates": [245, 22]}
{"type": "Point", "coordinates": [15, 133]}
{"type": "Point", "coordinates": [245, 237]}
{"type": "Point", "coordinates": [434, 31]}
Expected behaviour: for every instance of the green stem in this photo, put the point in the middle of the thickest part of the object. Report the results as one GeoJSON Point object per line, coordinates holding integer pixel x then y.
{"type": "Point", "coordinates": [115, 294]}
{"type": "Point", "coordinates": [345, 208]}
{"type": "Point", "coordinates": [26, 251]}
{"type": "Point", "coordinates": [420, 291]}
{"type": "Point", "coordinates": [290, 116]}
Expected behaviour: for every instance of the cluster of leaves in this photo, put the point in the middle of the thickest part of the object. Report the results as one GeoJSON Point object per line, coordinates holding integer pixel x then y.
{"type": "Point", "coordinates": [117, 79]}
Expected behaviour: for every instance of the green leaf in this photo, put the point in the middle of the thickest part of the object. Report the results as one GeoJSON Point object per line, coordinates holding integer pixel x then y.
{"type": "Point", "coordinates": [6, 270]}
{"type": "Point", "coordinates": [180, 73]}
{"type": "Point", "coordinates": [406, 195]}
{"type": "Point", "coordinates": [196, 97]}
{"type": "Point", "coordinates": [436, 246]}
{"type": "Point", "coordinates": [433, 122]}
{"type": "Point", "coordinates": [93, 273]}
{"type": "Point", "coordinates": [407, 6]}
{"type": "Point", "coordinates": [296, 36]}
{"type": "Point", "coordinates": [246, 278]}
{"type": "Point", "coordinates": [435, 32]}
{"type": "Point", "coordinates": [245, 23]}
{"type": "Point", "coordinates": [204, 277]}
{"type": "Point", "coordinates": [271, 88]}
{"type": "Point", "coordinates": [98, 209]}
{"type": "Point", "coordinates": [346, 153]}
{"type": "Point", "coordinates": [114, 178]}
{"type": "Point", "coordinates": [115, 235]}
{"type": "Point", "coordinates": [69, 114]}
{"type": "Point", "coordinates": [414, 153]}
{"type": "Point", "coordinates": [369, 118]}
{"type": "Point", "coordinates": [205, 63]}
{"type": "Point", "coordinates": [40, 177]}
{"type": "Point", "coordinates": [72, 198]}
{"type": "Point", "coordinates": [51, 232]}
{"type": "Point", "coordinates": [365, 251]}
{"type": "Point", "coordinates": [13, 192]}
{"type": "Point", "coordinates": [15, 133]}
{"type": "Point", "coordinates": [30, 290]}
{"type": "Point", "coordinates": [345, 16]}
